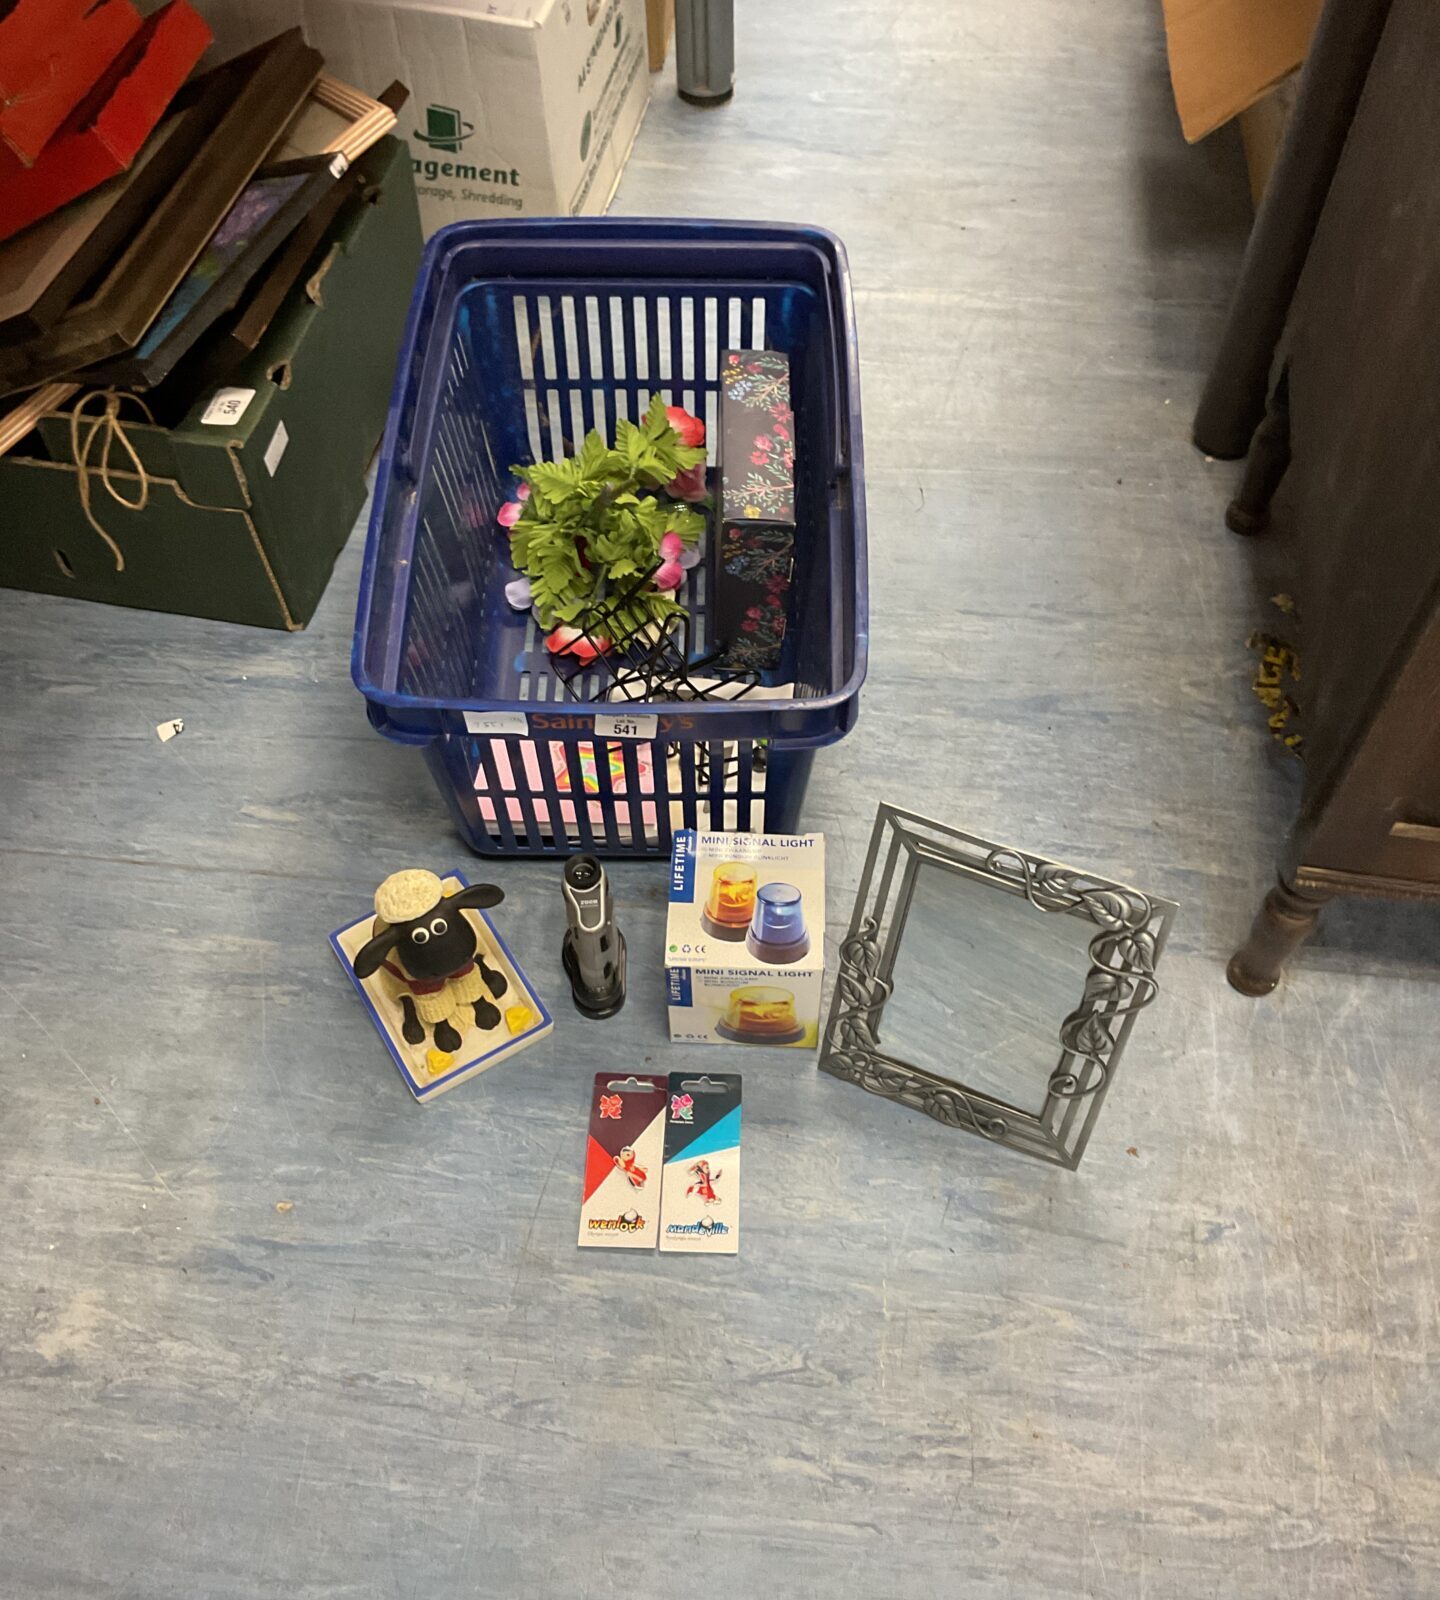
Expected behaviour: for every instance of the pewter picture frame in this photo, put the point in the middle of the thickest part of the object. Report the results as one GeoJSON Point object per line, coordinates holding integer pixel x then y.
{"type": "Point", "coordinates": [1113, 934]}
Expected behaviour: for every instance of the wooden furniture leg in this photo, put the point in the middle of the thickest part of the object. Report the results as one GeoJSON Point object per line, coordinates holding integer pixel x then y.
{"type": "Point", "coordinates": [1284, 922]}
{"type": "Point", "coordinates": [1269, 456]}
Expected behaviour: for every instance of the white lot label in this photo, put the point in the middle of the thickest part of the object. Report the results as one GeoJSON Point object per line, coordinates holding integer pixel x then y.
{"type": "Point", "coordinates": [226, 405]}
{"type": "Point", "coordinates": [626, 725]}
{"type": "Point", "coordinates": [496, 722]}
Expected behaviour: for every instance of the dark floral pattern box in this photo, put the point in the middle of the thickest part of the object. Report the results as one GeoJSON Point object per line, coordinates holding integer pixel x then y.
{"type": "Point", "coordinates": [755, 550]}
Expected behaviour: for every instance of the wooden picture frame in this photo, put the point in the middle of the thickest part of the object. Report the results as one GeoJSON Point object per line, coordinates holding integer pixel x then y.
{"type": "Point", "coordinates": [261, 92]}
{"type": "Point", "coordinates": [337, 119]}
{"type": "Point", "coordinates": [265, 296]}
{"type": "Point", "coordinates": [43, 268]}
{"type": "Point", "coordinates": [269, 209]}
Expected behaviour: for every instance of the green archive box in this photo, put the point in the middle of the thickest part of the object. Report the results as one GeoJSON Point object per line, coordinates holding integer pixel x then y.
{"type": "Point", "coordinates": [252, 494]}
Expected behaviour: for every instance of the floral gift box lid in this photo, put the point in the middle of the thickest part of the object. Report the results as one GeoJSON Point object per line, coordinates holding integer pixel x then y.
{"type": "Point", "coordinates": [755, 538]}
{"type": "Point", "coordinates": [757, 437]}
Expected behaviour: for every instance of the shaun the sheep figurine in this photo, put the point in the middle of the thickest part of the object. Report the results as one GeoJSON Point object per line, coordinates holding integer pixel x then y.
{"type": "Point", "coordinates": [431, 954]}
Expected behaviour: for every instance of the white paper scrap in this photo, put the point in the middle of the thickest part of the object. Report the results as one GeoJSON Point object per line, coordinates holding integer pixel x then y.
{"type": "Point", "coordinates": [276, 448]}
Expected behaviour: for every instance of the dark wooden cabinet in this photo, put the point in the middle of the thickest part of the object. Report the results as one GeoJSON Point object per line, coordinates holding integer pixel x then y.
{"type": "Point", "coordinates": [1344, 477]}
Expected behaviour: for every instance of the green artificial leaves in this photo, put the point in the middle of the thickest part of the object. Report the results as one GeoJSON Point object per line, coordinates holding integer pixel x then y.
{"type": "Point", "coordinates": [592, 524]}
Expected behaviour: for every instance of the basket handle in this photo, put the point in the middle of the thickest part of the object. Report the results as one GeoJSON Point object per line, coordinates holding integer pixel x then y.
{"type": "Point", "coordinates": [842, 336]}
{"type": "Point", "coordinates": [412, 446]}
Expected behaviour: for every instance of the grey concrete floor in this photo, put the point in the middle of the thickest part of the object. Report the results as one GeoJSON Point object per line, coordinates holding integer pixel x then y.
{"type": "Point", "coordinates": [1205, 1365]}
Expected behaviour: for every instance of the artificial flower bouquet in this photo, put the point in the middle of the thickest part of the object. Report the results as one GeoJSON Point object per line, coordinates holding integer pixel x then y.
{"type": "Point", "coordinates": [614, 524]}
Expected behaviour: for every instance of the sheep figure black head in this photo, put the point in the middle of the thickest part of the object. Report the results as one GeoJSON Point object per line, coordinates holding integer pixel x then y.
{"type": "Point", "coordinates": [431, 953]}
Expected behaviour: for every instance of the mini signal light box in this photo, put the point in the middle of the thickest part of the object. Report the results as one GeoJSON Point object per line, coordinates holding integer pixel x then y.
{"type": "Point", "coordinates": [745, 909]}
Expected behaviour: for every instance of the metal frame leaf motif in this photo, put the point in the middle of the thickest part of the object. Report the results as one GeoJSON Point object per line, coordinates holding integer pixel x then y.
{"type": "Point", "coordinates": [1121, 979]}
{"type": "Point", "coordinates": [1119, 983]}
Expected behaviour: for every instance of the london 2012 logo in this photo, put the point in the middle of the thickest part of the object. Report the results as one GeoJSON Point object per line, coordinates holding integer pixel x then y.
{"type": "Point", "coordinates": [445, 129]}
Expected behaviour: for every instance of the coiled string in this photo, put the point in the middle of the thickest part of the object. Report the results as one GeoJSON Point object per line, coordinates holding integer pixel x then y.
{"type": "Point", "coordinates": [108, 427]}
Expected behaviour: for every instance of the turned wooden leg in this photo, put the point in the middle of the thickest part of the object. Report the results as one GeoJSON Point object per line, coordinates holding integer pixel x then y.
{"type": "Point", "coordinates": [1284, 922]}
{"type": "Point", "coordinates": [1269, 456]}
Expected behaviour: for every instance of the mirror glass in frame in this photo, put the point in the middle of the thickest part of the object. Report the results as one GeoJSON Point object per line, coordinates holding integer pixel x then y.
{"type": "Point", "coordinates": [990, 988]}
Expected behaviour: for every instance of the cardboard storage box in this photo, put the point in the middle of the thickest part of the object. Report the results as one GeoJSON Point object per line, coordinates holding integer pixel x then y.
{"type": "Point", "coordinates": [517, 108]}
{"type": "Point", "coordinates": [1227, 54]}
{"type": "Point", "coordinates": [722, 987]}
{"type": "Point", "coordinates": [252, 494]}
{"type": "Point", "coordinates": [1262, 128]}
{"type": "Point", "coordinates": [660, 28]}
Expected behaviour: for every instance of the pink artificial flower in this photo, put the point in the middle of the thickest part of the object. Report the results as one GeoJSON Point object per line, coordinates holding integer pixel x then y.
{"type": "Point", "coordinates": [691, 429]}
{"type": "Point", "coordinates": [670, 576]}
{"type": "Point", "coordinates": [749, 626]}
{"type": "Point", "coordinates": [671, 546]}
{"type": "Point", "coordinates": [754, 611]}
{"type": "Point", "coordinates": [762, 441]}
{"type": "Point", "coordinates": [759, 458]}
{"type": "Point", "coordinates": [688, 483]}
{"type": "Point", "coordinates": [523, 492]}
{"type": "Point", "coordinates": [508, 514]}
{"type": "Point", "coordinates": [572, 642]}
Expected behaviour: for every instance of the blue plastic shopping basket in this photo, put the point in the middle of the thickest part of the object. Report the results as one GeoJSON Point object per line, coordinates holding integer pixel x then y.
{"type": "Point", "coordinates": [522, 336]}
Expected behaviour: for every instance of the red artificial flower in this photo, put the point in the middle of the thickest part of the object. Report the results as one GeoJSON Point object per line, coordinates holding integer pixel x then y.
{"type": "Point", "coordinates": [509, 513]}
{"type": "Point", "coordinates": [749, 626]}
{"type": "Point", "coordinates": [759, 458]}
{"type": "Point", "coordinates": [754, 611]}
{"type": "Point", "coordinates": [691, 429]}
{"type": "Point", "coordinates": [763, 441]}
{"type": "Point", "coordinates": [572, 642]}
